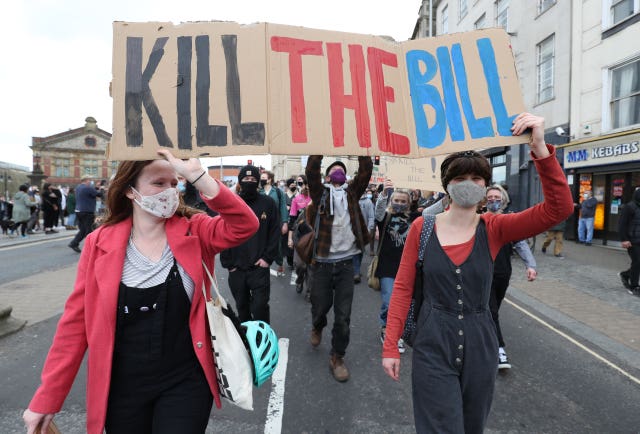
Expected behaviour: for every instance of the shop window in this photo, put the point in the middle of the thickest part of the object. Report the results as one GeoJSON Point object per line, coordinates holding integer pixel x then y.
{"type": "Point", "coordinates": [545, 67]}
{"type": "Point", "coordinates": [625, 95]}
{"type": "Point", "coordinates": [502, 13]}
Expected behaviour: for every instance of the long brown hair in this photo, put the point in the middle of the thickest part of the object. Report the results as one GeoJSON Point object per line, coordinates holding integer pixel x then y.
{"type": "Point", "coordinates": [119, 206]}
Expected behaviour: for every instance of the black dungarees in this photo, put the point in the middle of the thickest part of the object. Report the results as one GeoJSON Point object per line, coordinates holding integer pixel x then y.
{"type": "Point", "coordinates": [455, 352]}
{"type": "Point", "coordinates": [157, 383]}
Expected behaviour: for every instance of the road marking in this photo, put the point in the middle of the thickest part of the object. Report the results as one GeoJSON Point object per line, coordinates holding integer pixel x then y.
{"type": "Point", "coordinates": [576, 343]}
{"type": "Point", "coordinates": [273, 424]}
{"type": "Point", "coordinates": [34, 243]}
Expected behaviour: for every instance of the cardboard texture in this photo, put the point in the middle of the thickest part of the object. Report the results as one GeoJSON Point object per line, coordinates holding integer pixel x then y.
{"type": "Point", "coordinates": [220, 88]}
{"type": "Point", "coordinates": [419, 173]}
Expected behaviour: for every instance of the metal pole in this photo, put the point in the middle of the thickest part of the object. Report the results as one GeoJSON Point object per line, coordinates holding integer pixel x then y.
{"type": "Point", "coordinates": [221, 175]}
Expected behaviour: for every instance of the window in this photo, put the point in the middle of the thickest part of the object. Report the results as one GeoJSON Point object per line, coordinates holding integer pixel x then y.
{"type": "Point", "coordinates": [543, 5]}
{"type": "Point", "coordinates": [91, 168]}
{"type": "Point", "coordinates": [462, 7]}
{"type": "Point", "coordinates": [90, 141]}
{"type": "Point", "coordinates": [498, 169]}
{"type": "Point", "coordinates": [445, 20]}
{"type": "Point", "coordinates": [625, 95]}
{"type": "Point", "coordinates": [621, 9]}
{"type": "Point", "coordinates": [62, 167]}
{"type": "Point", "coordinates": [480, 22]}
{"type": "Point", "coordinates": [502, 13]}
{"type": "Point", "coordinates": [544, 69]}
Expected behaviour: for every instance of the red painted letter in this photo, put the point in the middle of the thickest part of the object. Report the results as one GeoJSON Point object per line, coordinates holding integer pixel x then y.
{"type": "Point", "coordinates": [387, 141]}
{"type": "Point", "coordinates": [296, 49]}
{"type": "Point", "coordinates": [356, 101]}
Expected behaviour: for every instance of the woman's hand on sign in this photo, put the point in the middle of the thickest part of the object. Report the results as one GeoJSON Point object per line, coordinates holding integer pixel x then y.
{"type": "Point", "coordinates": [535, 124]}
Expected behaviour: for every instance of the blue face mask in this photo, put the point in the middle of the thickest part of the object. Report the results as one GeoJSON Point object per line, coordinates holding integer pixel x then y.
{"type": "Point", "coordinates": [181, 187]}
{"type": "Point", "coordinates": [399, 207]}
{"type": "Point", "coordinates": [494, 206]}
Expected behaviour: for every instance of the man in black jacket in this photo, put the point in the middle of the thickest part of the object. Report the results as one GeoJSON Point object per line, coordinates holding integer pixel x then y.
{"type": "Point", "coordinates": [629, 229]}
{"type": "Point", "coordinates": [248, 263]}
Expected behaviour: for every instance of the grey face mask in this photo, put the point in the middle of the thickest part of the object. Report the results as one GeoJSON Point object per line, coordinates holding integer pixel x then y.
{"type": "Point", "coordinates": [466, 194]}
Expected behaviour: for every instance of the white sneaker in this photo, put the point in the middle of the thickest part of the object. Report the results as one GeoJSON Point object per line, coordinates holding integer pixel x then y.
{"type": "Point", "coordinates": [401, 347]}
{"type": "Point", "coordinates": [503, 361]}
{"type": "Point", "coordinates": [294, 277]}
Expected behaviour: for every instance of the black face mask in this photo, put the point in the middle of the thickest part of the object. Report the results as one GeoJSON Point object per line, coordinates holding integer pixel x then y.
{"type": "Point", "coordinates": [293, 188]}
{"type": "Point", "coordinates": [263, 182]}
{"type": "Point", "coordinates": [248, 189]}
{"type": "Point", "coordinates": [300, 183]}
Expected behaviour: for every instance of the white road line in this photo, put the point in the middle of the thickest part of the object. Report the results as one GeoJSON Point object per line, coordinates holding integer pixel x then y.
{"type": "Point", "coordinates": [576, 343]}
{"type": "Point", "coordinates": [273, 424]}
{"type": "Point", "coordinates": [34, 243]}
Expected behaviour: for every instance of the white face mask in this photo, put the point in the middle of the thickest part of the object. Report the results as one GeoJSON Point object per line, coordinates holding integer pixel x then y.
{"type": "Point", "coordinates": [466, 194]}
{"type": "Point", "coordinates": [163, 204]}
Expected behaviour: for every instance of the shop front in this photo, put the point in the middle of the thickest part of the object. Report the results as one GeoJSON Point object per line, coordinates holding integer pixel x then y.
{"type": "Point", "coordinates": [609, 167]}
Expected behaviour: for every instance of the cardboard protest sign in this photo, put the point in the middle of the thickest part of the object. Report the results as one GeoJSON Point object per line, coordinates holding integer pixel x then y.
{"type": "Point", "coordinates": [417, 173]}
{"type": "Point", "coordinates": [222, 88]}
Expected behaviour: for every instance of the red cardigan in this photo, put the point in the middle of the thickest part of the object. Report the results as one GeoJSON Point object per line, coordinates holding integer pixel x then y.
{"type": "Point", "coordinates": [501, 229]}
{"type": "Point", "coordinates": [89, 317]}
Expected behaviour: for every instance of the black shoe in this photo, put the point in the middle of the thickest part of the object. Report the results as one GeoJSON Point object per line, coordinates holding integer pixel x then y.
{"type": "Point", "coordinates": [625, 280]}
{"type": "Point", "coordinates": [299, 288]}
{"type": "Point", "coordinates": [634, 291]}
{"type": "Point", "coordinates": [75, 248]}
{"type": "Point", "coordinates": [587, 244]}
{"type": "Point", "coordinates": [544, 249]}
{"type": "Point", "coordinates": [357, 279]}
{"type": "Point", "coordinates": [559, 255]}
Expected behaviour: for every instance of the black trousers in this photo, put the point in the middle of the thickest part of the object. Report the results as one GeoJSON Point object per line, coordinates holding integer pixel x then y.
{"type": "Point", "coordinates": [499, 287]}
{"type": "Point", "coordinates": [167, 406]}
{"type": "Point", "coordinates": [84, 221]}
{"type": "Point", "coordinates": [251, 289]}
{"type": "Point", "coordinates": [633, 273]}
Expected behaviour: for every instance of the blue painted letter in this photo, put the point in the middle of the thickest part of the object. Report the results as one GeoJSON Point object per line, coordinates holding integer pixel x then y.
{"type": "Point", "coordinates": [451, 107]}
{"type": "Point", "coordinates": [423, 93]}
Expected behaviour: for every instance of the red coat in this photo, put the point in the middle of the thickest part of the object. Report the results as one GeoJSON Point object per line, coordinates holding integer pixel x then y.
{"type": "Point", "coordinates": [89, 318]}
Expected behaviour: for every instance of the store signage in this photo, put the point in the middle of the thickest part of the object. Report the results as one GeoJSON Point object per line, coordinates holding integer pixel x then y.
{"type": "Point", "coordinates": [598, 154]}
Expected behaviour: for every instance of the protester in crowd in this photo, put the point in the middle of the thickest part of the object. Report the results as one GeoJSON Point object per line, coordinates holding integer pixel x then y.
{"type": "Point", "coordinates": [393, 219]}
{"type": "Point", "coordinates": [629, 230]}
{"type": "Point", "coordinates": [248, 263]}
{"type": "Point", "coordinates": [71, 208]}
{"type": "Point", "coordinates": [555, 234]}
{"type": "Point", "coordinates": [21, 209]}
{"type": "Point", "coordinates": [137, 305]}
{"type": "Point", "coordinates": [86, 194]}
{"type": "Point", "coordinates": [368, 213]}
{"type": "Point", "coordinates": [268, 188]}
{"type": "Point", "coordinates": [290, 194]}
{"type": "Point", "coordinates": [5, 208]}
{"type": "Point", "coordinates": [192, 197]}
{"type": "Point", "coordinates": [454, 359]}
{"type": "Point", "coordinates": [62, 212]}
{"type": "Point", "coordinates": [587, 214]}
{"type": "Point", "coordinates": [50, 207]}
{"type": "Point", "coordinates": [497, 201]}
{"type": "Point", "coordinates": [34, 220]}
{"type": "Point", "coordinates": [298, 204]}
{"type": "Point", "coordinates": [342, 234]}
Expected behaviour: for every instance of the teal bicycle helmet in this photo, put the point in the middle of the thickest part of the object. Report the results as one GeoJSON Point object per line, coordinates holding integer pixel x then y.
{"type": "Point", "coordinates": [263, 347]}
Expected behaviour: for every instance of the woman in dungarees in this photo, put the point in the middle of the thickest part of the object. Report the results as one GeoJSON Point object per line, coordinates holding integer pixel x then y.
{"type": "Point", "coordinates": [454, 358]}
{"type": "Point", "coordinates": [137, 305]}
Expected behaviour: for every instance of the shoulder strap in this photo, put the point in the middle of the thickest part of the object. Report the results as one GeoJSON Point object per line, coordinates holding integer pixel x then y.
{"type": "Point", "coordinates": [384, 228]}
{"type": "Point", "coordinates": [316, 225]}
{"type": "Point", "coordinates": [427, 228]}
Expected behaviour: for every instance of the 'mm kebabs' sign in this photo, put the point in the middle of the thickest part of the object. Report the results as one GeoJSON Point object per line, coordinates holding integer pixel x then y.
{"type": "Point", "coordinates": [222, 88]}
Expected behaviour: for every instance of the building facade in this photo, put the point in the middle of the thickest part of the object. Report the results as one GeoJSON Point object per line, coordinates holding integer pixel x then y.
{"type": "Point", "coordinates": [65, 158]}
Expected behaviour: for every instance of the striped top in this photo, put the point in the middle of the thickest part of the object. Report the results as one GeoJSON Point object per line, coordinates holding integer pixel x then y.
{"type": "Point", "coordinates": [140, 272]}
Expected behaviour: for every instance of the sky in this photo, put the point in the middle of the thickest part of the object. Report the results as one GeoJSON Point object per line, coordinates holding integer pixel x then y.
{"type": "Point", "coordinates": [55, 62]}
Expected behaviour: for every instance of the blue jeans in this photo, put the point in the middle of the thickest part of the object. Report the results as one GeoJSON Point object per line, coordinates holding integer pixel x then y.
{"type": "Point", "coordinates": [357, 263]}
{"type": "Point", "coordinates": [71, 219]}
{"type": "Point", "coordinates": [331, 285]}
{"type": "Point", "coordinates": [386, 286]}
{"type": "Point", "coordinates": [585, 229]}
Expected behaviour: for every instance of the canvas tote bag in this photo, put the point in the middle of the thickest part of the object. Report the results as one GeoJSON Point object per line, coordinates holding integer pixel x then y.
{"type": "Point", "coordinates": [234, 370]}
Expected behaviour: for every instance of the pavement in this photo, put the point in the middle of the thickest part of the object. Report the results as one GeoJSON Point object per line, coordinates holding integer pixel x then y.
{"type": "Point", "coordinates": [580, 294]}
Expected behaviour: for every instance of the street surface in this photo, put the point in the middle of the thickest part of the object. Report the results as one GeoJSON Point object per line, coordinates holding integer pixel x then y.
{"type": "Point", "coordinates": [572, 373]}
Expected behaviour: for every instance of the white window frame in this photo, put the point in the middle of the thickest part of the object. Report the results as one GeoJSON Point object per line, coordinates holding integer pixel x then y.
{"type": "Point", "coordinates": [542, 3]}
{"type": "Point", "coordinates": [91, 167]}
{"type": "Point", "coordinates": [483, 19]}
{"type": "Point", "coordinates": [607, 12]}
{"type": "Point", "coordinates": [607, 81]}
{"type": "Point", "coordinates": [543, 62]}
{"type": "Point", "coordinates": [505, 11]}
{"type": "Point", "coordinates": [444, 20]}
{"type": "Point", "coordinates": [463, 12]}
{"type": "Point", "coordinates": [62, 167]}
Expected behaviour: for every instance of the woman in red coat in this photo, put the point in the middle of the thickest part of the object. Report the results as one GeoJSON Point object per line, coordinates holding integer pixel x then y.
{"type": "Point", "coordinates": [137, 305]}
